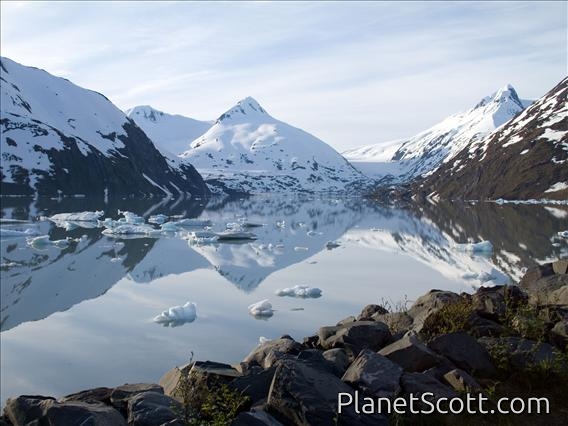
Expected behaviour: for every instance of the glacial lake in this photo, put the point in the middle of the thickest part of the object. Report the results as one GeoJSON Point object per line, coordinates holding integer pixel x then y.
{"type": "Point", "coordinates": [81, 316]}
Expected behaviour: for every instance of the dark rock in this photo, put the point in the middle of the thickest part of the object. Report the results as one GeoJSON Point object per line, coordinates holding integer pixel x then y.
{"type": "Point", "coordinates": [256, 386]}
{"type": "Point", "coordinates": [493, 302]}
{"type": "Point", "coordinates": [460, 381]}
{"type": "Point", "coordinates": [418, 383]}
{"type": "Point", "coordinates": [370, 310]}
{"type": "Point", "coordinates": [355, 336]}
{"type": "Point", "coordinates": [301, 395]}
{"type": "Point", "coordinates": [82, 413]}
{"type": "Point", "coordinates": [534, 274]}
{"type": "Point", "coordinates": [315, 359]}
{"type": "Point", "coordinates": [170, 380]}
{"type": "Point", "coordinates": [338, 357]}
{"type": "Point", "coordinates": [374, 374]}
{"type": "Point", "coordinates": [90, 395]}
{"type": "Point", "coordinates": [411, 354]}
{"type": "Point", "coordinates": [263, 354]}
{"type": "Point", "coordinates": [478, 326]}
{"type": "Point", "coordinates": [464, 351]}
{"type": "Point", "coordinates": [398, 322]}
{"type": "Point", "coordinates": [311, 341]}
{"type": "Point", "coordinates": [426, 305]}
{"type": "Point", "coordinates": [522, 354]}
{"type": "Point", "coordinates": [27, 408]}
{"type": "Point", "coordinates": [541, 281]}
{"type": "Point", "coordinates": [152, 408]}
{"type": "Point", "coordinates": [255, 418]}
{"type": "Point", "coordinates": [120, 395]}
{"type": "Point", "coordinates": [559, 334]}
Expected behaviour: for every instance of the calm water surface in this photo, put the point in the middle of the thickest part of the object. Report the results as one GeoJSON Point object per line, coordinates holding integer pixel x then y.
{"type": "Point", "coordinates": [81, 316]}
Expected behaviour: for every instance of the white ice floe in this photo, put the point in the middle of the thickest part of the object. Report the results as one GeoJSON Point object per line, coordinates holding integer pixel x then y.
{"type": "Point", "coordinates": [9, 233]}
{"type": "Point", "coordinates": [42, 242]}
{"type": "Point", "coordinates": [77, 216]}
{"type": "Point", "coordinates": [131, 230]}
{"type": "Point", "coordinates": [129, 217]}
{"type": "Point", "coordinates": [302, 291]}
{"type": "Point", "coordinates": [262, 309]}
{"type": "Point", "coordinates": [158, 219]}
{"type": "Point", "coordinates": [202, 237]}
{"type": "Point", "coordinates": [330, 245]}
{"type": "Point", "coordinates": [558, 186]}
{"type": "Point", "coordinates": [483, 247]}
{"type": "Point", "coordinates": [177, 315]}
{"type": "Point", "coordinates": [563, 234]}
{"type": "Point", "coordinates": [299, 248]}
{"type": "Point", "coordinates": [169, 227]}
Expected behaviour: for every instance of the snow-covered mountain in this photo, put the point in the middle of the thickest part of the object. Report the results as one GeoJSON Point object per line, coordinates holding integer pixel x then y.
{"type": "Point", "coordinates": [170, 133]}
{"type": "Point", "coordinates": [61, 139]}
{"type": "Point", "coordinates": [248, 150]}
{"type": "Point", "coordinates": [526, 158]}
{"type": "Point", "coordinates": [424, 153]}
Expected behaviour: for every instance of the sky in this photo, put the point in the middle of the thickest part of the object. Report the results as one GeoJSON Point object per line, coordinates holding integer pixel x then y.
{"type": "Point", "coordinates": [351, 73]}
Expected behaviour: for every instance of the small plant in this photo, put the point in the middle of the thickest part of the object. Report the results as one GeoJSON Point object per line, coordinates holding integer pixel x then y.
{"type": "Point", "coordinates": [449, 319]}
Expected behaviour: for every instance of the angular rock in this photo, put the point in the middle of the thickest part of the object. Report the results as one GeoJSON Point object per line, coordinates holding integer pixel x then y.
{"type": "Point", "coordinates": [464, 351]}
{"type": "Point", "coordinates": [255, 418]}
{"type": "Point", "coordinates": [315, 359]}
{"type": "Point", "coordinates": [460, 381]}
{"type": "Point", "coordinates": [355, 336]}
{"type": "Point", "coordinates": [559, 334]}
{"type": "Point", "coordinates": [152, 408]}
{"type": "Point", "coordinates": [301, 395]}
{"type": "Point", "coordinates": [347, 320]}
{"type": "Point", "coordinates": [120, 395]}
{"type": "Point", "coordinates": [256, 385]}
{"type": "Point", "coordinates": [101, 394]}
{"type": "Point", "coordinates": [411, 354]}
{"type": "Point", "coordinates": [426, 305]}
{"type": "Point", "coordinates": [83, 413]}
{"type": "Point", "coordinates": [338, 357]}
{"type": "Point", "coordinates": [170, 380]}
{"type": "Point", "coordinates": [310, 341]}
{"type": "Point", "coordinates": [493, 302]}
{"type": "Point", "coordinates": [559, 296]}
{"type": "Point", "coordinates": [374, 374]}
{"type": "Point", "coordinates": [264, 354]}
{"type": "Point", "coordinates": [370, 310]}
{"type": "Point", "coordinates": [419, 383]}
{"type": "Point", "coordinates": [523, 354]}
{"type": "Point", "coordinates": [26, 408]}
{"type": "Point", "coordinates": [540, 290]}
{"type": "Point", "coordinates": [534, 274]}
{"type": "Point", "coordinates": [398, 322]}
{"type": "Point", "coordinates": [560, 266]}
{"type": "Point", "coordinates": [478, 326]}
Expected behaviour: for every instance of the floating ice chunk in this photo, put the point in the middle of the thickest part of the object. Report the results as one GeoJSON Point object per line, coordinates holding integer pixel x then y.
{"type": "Point", "coordinates": [262, 309]}
{"type": "Point", "coordinates": [116, 259]}
{"type": "Point", "coordinates": [169, 227]}
{"type": "Point", "coordinates": [42, 242]}
{"type": "Point", "coordinates": [130, 230]}
{"type": "Point", "coordinates": [177, 315]}
{"type": "Point", "coordinates": [78, 216]}
{"type": "Point", "coordinates": [298, 248]}
{"type": "Point", "coordinates": [302, 291]}
{"type": "Point", "coordinates": [330, 245]}
{"type": "Point", "coordinates": [563, 234]}
{"type": "Point", "coordinates": [131, 218]}
{"type": "Point", "coordinates": [7, 233]}
{"type": "Point", "coordinates": [483, 247]}
{"type": "Point", "coordinates": [281, 224]}
{"type": "Point", "coordinates": [157, 219]}
{"type": "Point", "coordinates": [193, 222]}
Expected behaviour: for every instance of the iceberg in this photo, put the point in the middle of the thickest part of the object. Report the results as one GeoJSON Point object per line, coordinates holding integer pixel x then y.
{"type": "Point", "coordinates": [131, 230]}
{"type": "Point", "coordinates": [177, 315]}
{"type": "Point", "coordinates": [77, 217]}
{"type": "Point", "coordinates": [157, 219]}
{"type": "Point", "coordinates": [262, 309]}
{"type": "Point", "coordinates": [483, 247]}
{"type": "Point", "coordinates": [42, 242]}
{"type": "Point", "coordinates": [302, 291]}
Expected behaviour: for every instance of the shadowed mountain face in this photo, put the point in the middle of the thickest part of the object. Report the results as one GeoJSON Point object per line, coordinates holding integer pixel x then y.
{"type": "Point", "coordinates": [58, 138]}
{"type": "Point", "coordinates": [526, 158]}
{"type": "Point", "coordinates": [37, 282]}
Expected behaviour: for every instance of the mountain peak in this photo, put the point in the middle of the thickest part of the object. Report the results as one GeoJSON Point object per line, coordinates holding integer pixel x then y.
{"type": "Point", "coordinates": [506, 94]}
{"type": "Point", "coordinates": [144, 111]}
{"type": "Point", "coordinates": [245, 107]}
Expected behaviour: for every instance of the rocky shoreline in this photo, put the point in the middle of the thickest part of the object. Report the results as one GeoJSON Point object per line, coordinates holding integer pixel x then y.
{"type": "Point", "coordinates": [505, 341]}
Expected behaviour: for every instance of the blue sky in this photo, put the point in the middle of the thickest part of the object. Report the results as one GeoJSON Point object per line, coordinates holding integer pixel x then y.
{"type": "Point", "coordinates": [352, 73]}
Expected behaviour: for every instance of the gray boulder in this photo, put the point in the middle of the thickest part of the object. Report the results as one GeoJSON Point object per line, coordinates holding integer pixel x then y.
{"type": "Point", "coordinates": [266, 354]}
{"type": "Point", "coordinates": [411, 354]}
{"type": "Point", "coordinates": [398, 322]}
{"type": "Point", "coordinates": [301, 395]}
{"type": "Point", "coordinates": [338, 357]}
{"type": "Point", "coordinates": [429, 303]}
{"type": "Point", "coordinates": [152, 408]}
{"type": "Point", "coordinates": [90, 395]}
{"type": "Point", "coordinates": [255, 418]}
{"type": "Point", "coordinates": [370, 310]}
{"type": "Point", "coordinates": [347, 320]}
{"type": "Point", "coordinates": [255, 385]}
{"type": "Point", "coordinates": [493, 302]}
{"type": "Point", "coordinates": [465, 352]}
{"type": "Point", "coordinates": [417, 384]}
{"type": "Point", "coordinates": [355, 336]}
{"type": "Point", "coordinates": [27, 408]}
{"type": "Point", "coordinates": [559, 334]}
{"type": "Point", "coordinates": [82, 413]}
{"type": "Point", "coordinates": [460, 381]}
{"type": "Point", "coordinates": [374, 374]}
{"type": "Point", "coordinates": [120, 395]}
